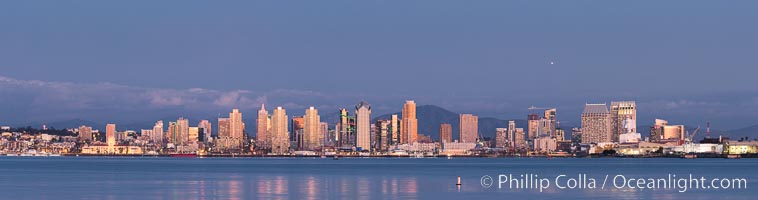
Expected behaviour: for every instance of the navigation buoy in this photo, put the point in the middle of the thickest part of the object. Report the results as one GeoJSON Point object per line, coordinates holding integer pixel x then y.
{"type": "Point", "coordinates": [459, 181]}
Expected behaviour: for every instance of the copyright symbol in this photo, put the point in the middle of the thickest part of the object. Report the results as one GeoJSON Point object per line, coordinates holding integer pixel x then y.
{"type": "Point", "coordinates": [487, 181]}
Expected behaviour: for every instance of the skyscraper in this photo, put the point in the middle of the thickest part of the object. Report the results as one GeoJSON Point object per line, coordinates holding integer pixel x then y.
{"type": "Point", "coordinates": [223, 127]}
{"type": "Point", "coordinates": [110, 134]}
{"type": "Point", "coordinates": [325, 138]}
{"type": "Point", "coordinates": [620, 111]}
{"type": "Point", "coordinates": [596, 124]}
{"type": "Point", "coordinates": [409, 126]}
{"type": "Point", "coordinates": [296, 132]}
{"type": "Point", "coordinates": [158, 133]}
{"type": "Point", "coordinates": [468, 128]}
{"type": "Point", "coordinates": [280, 141]}
{"type": "Point", "coordinates": [85, 133]}
{"type": "Point", "coordinates": [312, 136]}
{"type": "Point", "coordinates": [363, 126]}
{"type": "Point", "coordinates": [446, 132]}
{"type": "Point", "coordinates": [346, 129]}
{"type": "Point", "coordinates": [394, 130]}
{"type": "Point", "coordinates": [511, 135]}
{"type": "Point", "coordinates": [533, 121]}
{"type": "Point", "coordinates": [500, 137]}
{"type": "Point", "coordinates": [236, 127]}
{"type": "Point", "coordinates": [382, 134]}
{"type": "Point", "coordinates": [182, 126]}
{"type": "Point", "coordinates": [193, 134]}
{"type": "Point", "coordinates": [206, 128]}
{"type": "Point", "coordinates": [548, 123]}
{"type": "Point", "coordinates": [263, 126]}
{"type": "Point", "coordinates": [520, 142]}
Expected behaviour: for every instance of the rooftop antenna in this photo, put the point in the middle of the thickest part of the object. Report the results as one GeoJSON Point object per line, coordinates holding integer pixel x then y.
{"type": "Point", "coordinates": [708, 130]}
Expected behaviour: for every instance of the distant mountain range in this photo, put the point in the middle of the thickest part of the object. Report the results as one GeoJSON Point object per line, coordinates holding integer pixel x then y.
{"type": "Point", "coordinates": [429, 117]}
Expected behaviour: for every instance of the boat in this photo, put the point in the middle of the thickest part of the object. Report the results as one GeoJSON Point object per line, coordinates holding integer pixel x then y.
{"type": "Point", "coordinates": [336, 157]}
{"type": "Point", "coordinates": [183, 155]}
{"type": "Point", "coordinates": [690, 156]}
{"type": "Point", "coordinates": [734, 156]}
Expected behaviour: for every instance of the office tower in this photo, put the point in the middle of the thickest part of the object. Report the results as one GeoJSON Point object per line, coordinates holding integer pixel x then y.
{"type": "Point", "coordinates": [236, 127]}
{"type": "Point", "coordinates": [468, 128]}
{"type": "Point", "coordinates": [446, 132]}
{"type": "Point", "coordinates": [280, 141]}
{"type": "Point", "coordinates": [620, 111]}
{"type": "Point", "coordinates": [182, 126]}
{"type": "Point", "coordinates": [296, 134]}
{"type": "Point", "coordinates": [193, 134]}
{"type": "Point", "coordinates": [576, 135]}
{"type": "Point", "coordinates": [85, 133]}
{"type": "Point", "coordinates": [363, 126]}
{"type": "Point", "coordinates": [409, 126]}
{"type": "Point", "coordinates": [172, 133]}
{"type": "Point", "coordinates": [500, 137]}
{"type": "Point", "coordinates": [206, 128]}
{"type": "Point", "coordinates": [596, 124]}
{"type": "Point", "coordinates": [661, 131]}
{"type": "Point", "coordinates": [263, 126]}
{"type": "Point", "coordinates": [394, 130]}
{"type": "Point", "coordinates": [511, 135]}
{"type": "Point", "coordinates": [158, 136]}
{"type": "Point", "coordinates": [223, 128]}
{"type": "Point", "coordinates": [533, 121]}
{"type": "Point", "coordinates": [146, 133]}
{"type": "Point", "coordinates": [520, 141]}
{"type": "Point", "coordinates": [110, 134]}
{"type": "Point", "coordinates": [548, 123]}
{"type": "Point", "coordinates": [383, 135]}
{"type": "Point", "coordinates": [346, 128]}
{"type": "Point", "coordinates": [312, 133]}
{"type": "Point", "coordinates": [325, 137]}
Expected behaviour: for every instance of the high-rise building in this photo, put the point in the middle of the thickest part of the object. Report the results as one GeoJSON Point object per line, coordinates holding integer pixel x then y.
{"type": "Point", "coordinates": [468, 128]}
{"type": "Point", "coordinates": [346, 128]}
{"type": "Point", "coordinates": [383, 135]}
{"type": "Point", "coordinates": [548, 123]}
{"type": "Point", "coordinates": [312, 133]}
{"type": "Point", "coordinates": [560, 135]}
{"type": "Point", "coordinates": [363, 126]}
{"type": "Point", "coordinates": [500, 137]}
{"type": "Point", "coordinates": [172, 133]}
{"type": "Point", "coordinates": [511, 135]}
{"type": "Point", "coordinates": [394, 130]}
{"type": "Point", "coordinates": [409, 124]}
{"type": "Point", "coordinates": [596, 124]}
{"type": "Point", "coordinates": [236, 127]}
{"type": "Point", "coordinates": [533, 121]}
{"type": "Point", "coordinates": [263, 127]}
{"type": "Point", "coordinates": [206, 128]}
{"type": "Point", "coordinates": [576, 135]}
{"type": "Point", "coordinates": [85, 133]}
{"type": "Point", "coordinates": [280, 142]}
{"type": "Point", "coordinates": [296, 133]}
{"type": "Point", "coordinates": [158, 136]}
{"type": "Point", "coordinates": [520, 141]}
{"type": "Point", "coordinates": [620, 111]}
{"type": "Point", "coordinates": [325, 137]}
{"type": "Point", "coordinates": [182, 126]}
{"type": "Point", "coordinates": [110, 134]}
{"type": "Point", "coordinates": [446, 132]}
{"type": "Point", "coordinates": [193, 135]}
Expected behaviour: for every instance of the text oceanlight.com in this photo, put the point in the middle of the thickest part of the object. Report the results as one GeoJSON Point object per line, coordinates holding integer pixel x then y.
{"type": "Point", "coordinates": [619, 181]}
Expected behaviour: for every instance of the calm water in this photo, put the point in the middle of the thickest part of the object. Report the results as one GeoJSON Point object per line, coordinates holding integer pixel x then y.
{"type": "Point", "coordinates": [347, 178]}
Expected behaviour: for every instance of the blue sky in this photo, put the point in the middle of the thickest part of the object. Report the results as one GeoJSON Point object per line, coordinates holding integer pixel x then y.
{"type": "Point", "coordinates": [686, 61]}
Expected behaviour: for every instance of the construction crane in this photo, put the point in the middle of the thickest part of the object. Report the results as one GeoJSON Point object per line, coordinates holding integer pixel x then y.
{"type": "Point", "coordinates": [688, 140]}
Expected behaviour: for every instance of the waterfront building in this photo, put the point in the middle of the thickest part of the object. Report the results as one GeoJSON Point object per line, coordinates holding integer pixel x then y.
{"type": "Point", "coordinates": [468, 128]}
{"type": "Point", "coordinates": [182, 128]}
{"type": "Point", "coordinates": [457, 148]}
{"type": "Point", "coordinates": [510, 135]}
{"type": "Point", "coordinates": [662, 132]}
{"type": "Point", "coordinates": [263, 127]}
{"type": "Point", "coordinates": [596, 124]}
{"type": "Point", "coordinates": [280, 142]}
{"type": "Point", "coordinates": [363, 125]}
{"type": "Point", "coordinates": [394, 130]}
{"type": "Point", "coordinates": [545, 144]}
{"type": "Point", "coordinates": [346, 128]}
{"type": "Point", "coordinates": [547, 123]}
{"type": "Point", "coordinates": [312, 133]}
{"type": "Point", "coordinates": [324, 132]}
{"type": "Point", "coordinates": [296, 134]}
{"type": "Point", "coordinates": [560, 134]}
{"type": "Point", "coordinates": [446, 132]}
{"type": "Point", "coordinates": [620, 111]}
{"type": "Point", "coordinates": [223, 127]}
{"type": "Point", "coordinates": [520, 141]}
{"type": "Point", "coordinates": [383, 136]}
{"type": "Point", "coordinates": [409, 124]}
{"type": "Point", "coordinates": [576, 135]}
{"type": "Point", "coordinates": [85, 133]}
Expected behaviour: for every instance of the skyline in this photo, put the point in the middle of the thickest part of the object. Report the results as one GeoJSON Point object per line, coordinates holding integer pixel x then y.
{"type": "Point", "coordinates": [683, 60]}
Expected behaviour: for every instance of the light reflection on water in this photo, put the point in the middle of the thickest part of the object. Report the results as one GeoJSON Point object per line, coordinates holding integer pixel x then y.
{"type": "Point", "coordinates": [165, 178]}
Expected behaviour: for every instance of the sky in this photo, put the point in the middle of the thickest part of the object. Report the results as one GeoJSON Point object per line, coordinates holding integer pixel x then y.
{"type": "Point", "coordinates": [685, 61]}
